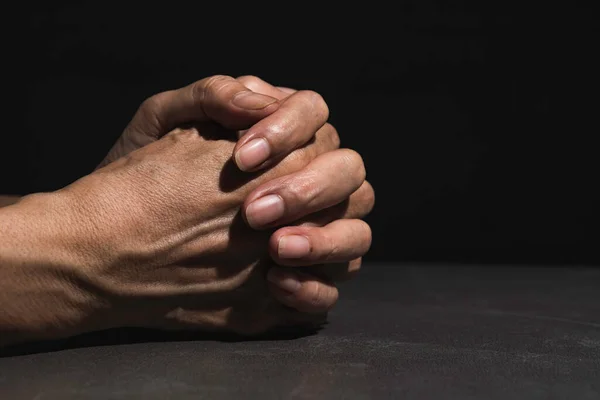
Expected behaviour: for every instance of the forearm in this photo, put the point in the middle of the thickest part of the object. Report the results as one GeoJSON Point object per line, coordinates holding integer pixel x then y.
{"type": "Point", "coordinates": [6, 200]}
{"type": "Point", "coordinates": [43, 288]}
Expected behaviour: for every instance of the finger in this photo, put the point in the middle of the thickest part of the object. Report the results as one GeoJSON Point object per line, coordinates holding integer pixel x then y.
{"type": "Point", "coordinates": [336, 272]}
{"type": "Point", "coordinates": [257, 85]}
{"type": "Point", "coordinates": [219, 98]}
{"type": "Point", "coordinates": [328, 180]}
{"type": "Point", "coordinates": [340, 241]}
{"type": "Point", "coordinates": [297, 119]}
{"type": "Point", "coordinates": [260, 86]}
{"type": "Point", "coordinates": [357, 206]}
{"type": "Point", "coordinates": [287, 90]}
{"type": "Point", "coordinates": [302, 292]}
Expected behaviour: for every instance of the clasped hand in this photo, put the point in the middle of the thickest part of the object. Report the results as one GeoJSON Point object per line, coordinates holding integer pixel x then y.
{"type": "Point", "coordinates": [225, 205]}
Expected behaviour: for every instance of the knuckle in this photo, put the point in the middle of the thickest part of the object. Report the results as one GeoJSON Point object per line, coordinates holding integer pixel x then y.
{"type": "Point", "coordinates": [368, 231]}
{"type": "Point", "coordinates": [315, 294]}
{"type": "Point", "coordinates": [308, 154]}
{"type": "Point", "coordinates": [216, 80]}
{"type": "Point", "coordinates": [151, 111]}
{"type": "Point", "coordinates": [335, 137]}
{"type": "Point", "coordinates": [298, 159]}
{"type": "Point", "coordinates": [326, 298]}
{"type": "Point", "coordinates": [151, 104]}
{"type": "Point", "coordinates": [182, 136]}
{"type": "Point", "coordinates": [331, 248]}
{"type": "Point", "coordinates": [276, 133]}
{"type": "Point", "coordinates": [354, 163]}
{"type": "Point", "coordinates": [299, 192]}
{"type": "Point", "coordinates": [250, 81]}
{"type": "Point", "coordinates": [366, 197]}
{"type": "Point", "coordinates": [331, 135]}
{"type": "Point", "coordinates": [366, 236]}
{"type": "Point", "coordinates": [316, 101]}
{"type": "Point", "coordinates": [210, 86]}
{"type": "Point", "coordinates": [370, 199]}
{"type": "Point", "coordinates": [150, 108]}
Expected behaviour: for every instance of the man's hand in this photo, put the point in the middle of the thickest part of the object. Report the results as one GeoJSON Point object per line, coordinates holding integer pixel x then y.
{"type": "Point", "coordinates": [154, 239]}
{"type": "Point", "coordinates": [279, 121]}
{"type": "Point", "coordinates": [155, 257]}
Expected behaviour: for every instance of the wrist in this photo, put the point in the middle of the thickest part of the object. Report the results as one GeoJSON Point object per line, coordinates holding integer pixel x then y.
{"type": "Point", "coordinates": [45, 271]}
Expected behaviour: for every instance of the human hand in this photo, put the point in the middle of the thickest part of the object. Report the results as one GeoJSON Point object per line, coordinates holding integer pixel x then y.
{"type": "Point", "coordinates": [288, 120]}
{"type": "Point", "coordinates": [70, 282]}
{"type": "Point", "coordinates": [166, 245]}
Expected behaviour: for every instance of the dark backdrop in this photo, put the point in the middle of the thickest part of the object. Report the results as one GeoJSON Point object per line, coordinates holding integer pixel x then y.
{"type": "Point", "coordinates": [476, 121]}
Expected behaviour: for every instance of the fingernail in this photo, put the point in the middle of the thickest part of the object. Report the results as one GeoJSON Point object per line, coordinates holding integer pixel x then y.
{"type": "Point", "coordinates": [265, 210]}
{"type": "Point", "coordinates": [293, 246]}
{"type": "Point", "coordinates": [252, 101]}
{"type": "Point", "coordinates": [285, 280]}
{"type": "Point", "coordinates": [252, 154]}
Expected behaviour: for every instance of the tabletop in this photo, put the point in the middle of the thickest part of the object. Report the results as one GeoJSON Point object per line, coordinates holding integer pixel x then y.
{"type": "Point", "coordinates": [399, 332]}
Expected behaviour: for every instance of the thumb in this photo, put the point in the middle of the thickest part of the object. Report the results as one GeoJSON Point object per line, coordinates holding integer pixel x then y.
{"type": "Point", "coordinates": [219, 98]}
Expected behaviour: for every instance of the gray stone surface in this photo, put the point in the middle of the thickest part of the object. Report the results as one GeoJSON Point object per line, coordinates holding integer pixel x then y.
{"type": "Point", "coordinates": [399, 332]}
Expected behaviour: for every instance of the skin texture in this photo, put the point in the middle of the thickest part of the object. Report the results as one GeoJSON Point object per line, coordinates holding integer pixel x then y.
{"type": "Point", "coordinates": [164, 234]}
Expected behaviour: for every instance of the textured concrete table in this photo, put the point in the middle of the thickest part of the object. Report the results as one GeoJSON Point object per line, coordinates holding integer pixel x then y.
{"type": "Point", "coordinates": [399, 332]}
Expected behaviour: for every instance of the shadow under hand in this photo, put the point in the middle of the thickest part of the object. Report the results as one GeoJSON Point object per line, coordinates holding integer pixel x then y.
{"type": "Point", "coordinates": [124, 336]}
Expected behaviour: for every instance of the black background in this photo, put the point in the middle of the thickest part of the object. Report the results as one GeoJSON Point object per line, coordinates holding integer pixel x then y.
{"type": "Point", "coordinates": [477, 122]}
